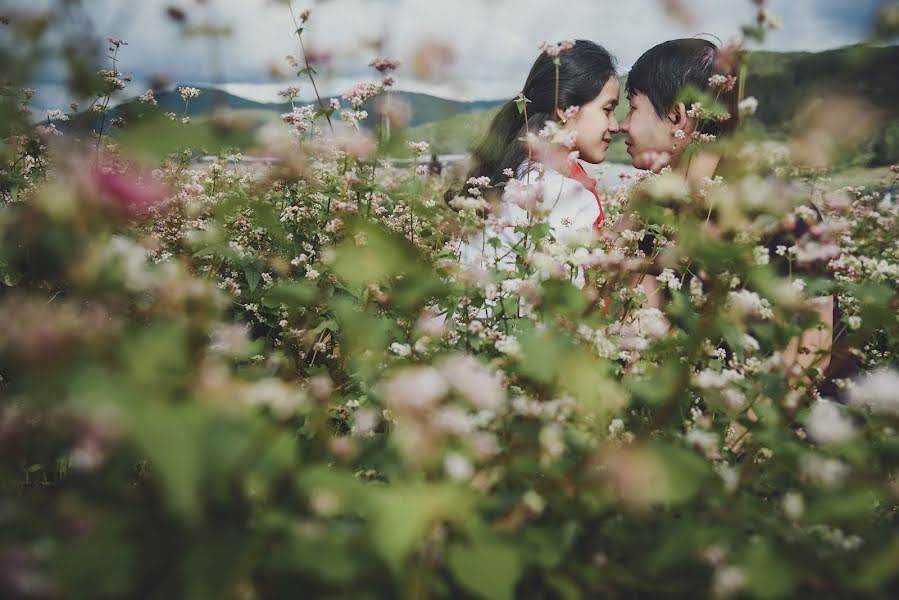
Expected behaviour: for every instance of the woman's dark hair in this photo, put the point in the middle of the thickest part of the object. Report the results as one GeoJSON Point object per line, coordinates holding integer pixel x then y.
{"type": "Point", "coordinates": [666, 69]}
{"type": "Point", "coordinates": [583, 72]}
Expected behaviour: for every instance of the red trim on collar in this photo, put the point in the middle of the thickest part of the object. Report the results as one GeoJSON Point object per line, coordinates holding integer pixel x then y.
{"type": "Point", "coordinates": [578, 173]}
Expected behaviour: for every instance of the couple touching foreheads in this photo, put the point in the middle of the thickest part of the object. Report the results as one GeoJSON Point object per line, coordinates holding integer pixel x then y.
{"type": "Point", "coordinates": [573, 91]}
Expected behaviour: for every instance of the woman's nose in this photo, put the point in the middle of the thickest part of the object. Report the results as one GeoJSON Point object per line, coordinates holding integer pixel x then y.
{"type": "Point", "coordinates": [614, 127]}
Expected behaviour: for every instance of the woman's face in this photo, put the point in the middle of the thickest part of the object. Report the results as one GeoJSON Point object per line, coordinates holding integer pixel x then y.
{"type": "Point", "coordinates": [595, 123]}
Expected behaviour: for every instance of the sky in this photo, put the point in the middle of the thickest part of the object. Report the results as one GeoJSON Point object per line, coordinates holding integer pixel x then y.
{"type": "Point", "coordinates": [493, 42]}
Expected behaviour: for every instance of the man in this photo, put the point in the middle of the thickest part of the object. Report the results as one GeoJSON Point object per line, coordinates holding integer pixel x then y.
{"type": "Point", "coordinates": [660, 127]}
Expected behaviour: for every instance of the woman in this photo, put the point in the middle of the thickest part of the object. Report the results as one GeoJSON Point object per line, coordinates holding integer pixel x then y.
{"type": "Point", "coordinates": [533, 154]}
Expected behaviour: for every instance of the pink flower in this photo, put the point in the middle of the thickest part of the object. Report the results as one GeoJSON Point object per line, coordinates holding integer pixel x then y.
{"type": "Point", "coordinates": [360, 93]}
{"type": "Point", "coordinates": [382, 65]}
{"type": "Point", "coordinates": [130, 192]}
{"type": "Point", "coordinates": [553, 50]}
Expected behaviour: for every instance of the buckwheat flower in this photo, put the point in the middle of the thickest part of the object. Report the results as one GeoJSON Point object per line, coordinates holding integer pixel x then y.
{"type": "Point", "coordinates": [553, 50]}
{"type": "Point", "coordinates": [148, 98]}
{"type": "Point", "coordinates": [479, 181]}
{"type": "Point", "coordinates": [57, 115]}
{"type": "Point", "coordinates": [793, 505]}
{"type": "Point", "coordinates": [669, 279]}
{"type": "Point", "coordinates": [827, 423]}
{"type": "Point", "coordinates": [762, 257]}
{"type": "Point", "coordinates": [418, 147]}
{"type": "Point", "coordinates": [705, 441]}
{"type": "Point", "coordinates": [335, 104]}
{"type": "Point", "coordinates": [509, 173]}
{"type": "Point", "coordinates": [312, 274]}
{"type": "Point", "coordinates": [877, 391]}
{"type": "Point", "coordinates": [360, 93]}
{"type": "Point", "coordinates": [825, 472]}
{"type": "Point", "coordinates": [304, 16]}
{"type": "Point", "coordinates": [481, 386]}
{"type": "Point", "coordinates": [185, 121]}
{"type": "Point", "coordinates": [679, 134]}
{"type": "Point", "coordinates": [509, 346]}
{"type": "Point", "coordinates": [702, 137]}
{"type": "Point", "coordinates": [722, 83]}
{"type": "Point", "coordinates": [189, 93]}
{"type": "Point", "coordinates": [230, 340]}
{"type": "Point", "coordinates": [401, 350]}
{"type": "Point", "coordinates": [854, 322]}
{"type": "Point", "coordinates": [117, 42]}
{"type": "Point", "coordinates": [290, 92]}
{"type": "Point", "coordinates": [416, 388]}
{"type": "Point", "coordinates": [750, 303]}
{"type": "Point", "coordinates": [382, 65]}
{"type": "Point", "coordinates": [748, 106]}
{"type": "Point", "coordinates": [570, 113]}
{"type": "Point", "coordinates": [728, 581]}
{"type": "Point", "coordinates": [457, 466]}
{"type": "Point", "coordinates": [282, 399]}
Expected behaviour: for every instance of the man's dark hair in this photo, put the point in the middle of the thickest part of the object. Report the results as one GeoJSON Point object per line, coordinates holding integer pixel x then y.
{"type": "Point", "coordinates": [666, 69]}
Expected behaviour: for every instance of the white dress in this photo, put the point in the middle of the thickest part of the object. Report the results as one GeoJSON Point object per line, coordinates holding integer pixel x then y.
{"type": "Point", "coordinates": [572, 209]}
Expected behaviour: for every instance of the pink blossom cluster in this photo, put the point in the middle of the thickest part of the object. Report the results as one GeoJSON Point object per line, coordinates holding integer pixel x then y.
{"type": "Point", "coordinates": [554, 50]}
{"type": "Point", "coordinates": [360, 93]}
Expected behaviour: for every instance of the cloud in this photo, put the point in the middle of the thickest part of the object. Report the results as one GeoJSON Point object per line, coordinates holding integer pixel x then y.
{"type": "Point", "coordinates": [494, 40]}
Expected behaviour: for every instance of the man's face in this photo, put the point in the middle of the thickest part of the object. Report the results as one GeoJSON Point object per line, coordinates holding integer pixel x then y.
{"type": "Point", "coordinates": [648, 136]}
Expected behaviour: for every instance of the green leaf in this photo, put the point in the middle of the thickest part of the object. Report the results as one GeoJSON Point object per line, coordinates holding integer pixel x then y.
{"type": "Point", "coordinates": [770, 575]}
{"type": "Point", "coordinates": [521, 102]}
{"type": "Point", "coordinates": [403, 516]}
{"type": "Point", "coordinates": [488, 569]}
{"type": "Point", "coordinates": [253, 274]}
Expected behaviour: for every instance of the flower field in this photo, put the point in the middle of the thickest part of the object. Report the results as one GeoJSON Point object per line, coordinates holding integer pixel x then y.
{"type": "Point", "coordinates": [278, 379]}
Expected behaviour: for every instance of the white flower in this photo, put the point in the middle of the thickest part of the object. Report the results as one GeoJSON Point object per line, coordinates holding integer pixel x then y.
{"type": "Point", "coordinates": [748, 106]}
{"type": "Point", "coordinates": [523, 194]}
{"type": "Point", "coordinates": [189, 93]}
{"type": "Point", "coordinates": [282, 399]}
{"type": "Point", "coordinates": [706, 441]}
{"type": "Point", "coordinates": [415, 388]}
{"type": "Point", "coordinates": [793, 505]}
{"type": "Point", "coordinates": [312, 274]}
{"type": "Point", "coordinates": [401, 349]}
{"type": "Point", "coordinates": [826, 423]}
{"type": "Point", "coordinates": [878, 391]}
{"type": "Point", "coordinates": [728, 581]}
{"type": "Point", "coordinates": [669, 279]}
{"type": "Point", "coordinates": [826, 472]}
{"type": "Point", "coordinates": [457, 466]}
{"type": "Point", "coordinates": [148, 98]}
{"type": "Point", "coordinates": [479, 385]}
{"type": "Point", "coordinates": [509, 346]}
{"type": "Point", "coordinates": [418, 147]}
{"type": "Point", "coordinates": [750, 303]}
